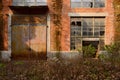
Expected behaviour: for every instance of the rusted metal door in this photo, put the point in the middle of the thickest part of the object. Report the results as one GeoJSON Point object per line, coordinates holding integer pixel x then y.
{"type": "Point", "coordinates": [29, 36]}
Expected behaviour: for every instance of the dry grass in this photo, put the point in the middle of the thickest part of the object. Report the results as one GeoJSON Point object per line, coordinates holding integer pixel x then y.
{"type": "Point", "coordinates": [80, 69]}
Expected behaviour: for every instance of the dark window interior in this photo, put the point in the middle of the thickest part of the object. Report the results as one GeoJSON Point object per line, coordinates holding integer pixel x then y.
{"type": "Point", "coordinates": [93, 43]}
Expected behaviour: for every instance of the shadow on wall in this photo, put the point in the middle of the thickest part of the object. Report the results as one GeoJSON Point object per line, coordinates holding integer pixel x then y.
{"type": "Point", "coordinates": [1, 32]}
{"type": "Point", "coordinates": [28, 37]}
{"type": "Point", "coordinates": [1, 27]}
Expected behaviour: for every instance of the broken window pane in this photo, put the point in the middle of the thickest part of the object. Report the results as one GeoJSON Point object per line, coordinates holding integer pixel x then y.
{"type": "Point", "coordinates": [73, 23]}
{"type": "Point", "coordinates": [87, 3]}
{"type": "Point", "coordinates": [78, 23]}
{"type": "Point", "coordinates": [86, 27]}
{"type": "Point", "coordinates": [102, 33]}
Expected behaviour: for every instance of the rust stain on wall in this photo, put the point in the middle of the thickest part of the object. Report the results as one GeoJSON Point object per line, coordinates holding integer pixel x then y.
{"type": "Point", "coordinates": [28, 35]}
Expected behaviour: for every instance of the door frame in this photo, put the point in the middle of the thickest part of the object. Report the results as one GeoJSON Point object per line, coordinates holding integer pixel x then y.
{"type": "Point", "coordinates": [10, 34]}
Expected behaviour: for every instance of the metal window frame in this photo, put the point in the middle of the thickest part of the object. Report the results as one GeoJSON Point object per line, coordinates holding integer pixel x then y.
{"type": "Point", "coordinates": [29, 2]}
{"type": "Point", "coordinates": [84, 6]}
{"type": "Point", "coordinates": [93, 37]}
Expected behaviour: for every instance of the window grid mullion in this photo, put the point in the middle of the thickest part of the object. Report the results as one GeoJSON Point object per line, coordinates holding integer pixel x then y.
{"type": "Point", "coordinates": [93, 3]}
{"type": "Point", "coordinates": [93, 26]}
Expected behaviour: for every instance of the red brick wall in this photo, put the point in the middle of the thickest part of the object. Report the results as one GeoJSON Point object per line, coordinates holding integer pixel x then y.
{"type": "Point", "coordinates": [109, 35]}
{"type": "Point", "coordinates": [5, 11]}
{"type": "Point", "coordinates": [65, 38]}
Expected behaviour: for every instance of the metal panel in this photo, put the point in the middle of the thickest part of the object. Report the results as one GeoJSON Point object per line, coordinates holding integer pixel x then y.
{"type": "Point", "coordinates": [38, 39]}
{"type": "Point", "coordinates": [29, 36]}
{"type": "Point", "coordinates": [20, 40]}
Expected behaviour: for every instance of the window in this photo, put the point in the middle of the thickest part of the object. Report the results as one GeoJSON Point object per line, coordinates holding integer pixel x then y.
{"type": "Point", "coordinates": [86, 27]}
{"type": "Point", "coordinates": [29, 2]}
{"type": "Point", "coordinates": [87, 3]}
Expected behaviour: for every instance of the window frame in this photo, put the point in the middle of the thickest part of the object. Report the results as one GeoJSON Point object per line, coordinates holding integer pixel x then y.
{"type": "Point", "coordinates": [29, 2]}
{"type": "Point", "coordinates": [92, 4]}
{"type": "Point", "coordinates": [81, 37]}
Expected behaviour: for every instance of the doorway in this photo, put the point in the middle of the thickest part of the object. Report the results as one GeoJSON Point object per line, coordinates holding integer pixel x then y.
{"type": "Point", "coordinates": [93, 43]}
{"type": "Point", "coordinates": [29, 36]}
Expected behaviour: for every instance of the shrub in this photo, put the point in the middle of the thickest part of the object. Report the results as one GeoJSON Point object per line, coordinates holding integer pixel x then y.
{"type": "Point", "coordinates": [113, 52]}
{"type": "Point", "coordinates": [103, 56]}
{"type": "Point", "coordinates": [88, 51]}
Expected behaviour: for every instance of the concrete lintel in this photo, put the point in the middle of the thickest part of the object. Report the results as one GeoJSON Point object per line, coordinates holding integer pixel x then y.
{"type": "Point", "coordinates": [88, 14]}
{"type": "Point", "coordinates": [91, 39]}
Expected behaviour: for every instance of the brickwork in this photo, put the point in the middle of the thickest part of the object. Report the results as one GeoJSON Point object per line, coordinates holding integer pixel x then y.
{"type": "Point", "coordinates": [65, 20]}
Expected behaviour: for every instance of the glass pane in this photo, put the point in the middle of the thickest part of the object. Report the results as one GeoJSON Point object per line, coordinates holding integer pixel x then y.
{"type": "Point", "coordinates": [87, 22]}
{"type": "Point", "coordinates": [41, 0]}
{"type": "Point", "coordinates": [84, 29]}
{"type": "Point", "coordinates": [102, 28]}
{"type": "Point", "coordinates": [102, 33]}
{"type": "Point", "coordinates": [76, 0]}
{"type": "Point", "coordinates": [99, 3]}
{"type": "Point", "coordinates": [90, 33]}
{"type": "Point", "coordinates": [72, 33]}
{"type": "Point", "coordinates": [90, 29]}
{"type": "Point", "coordinates": [78, 33]}
{"type": "Point", "coordinates": [99, 22]}
{"type": "Point", "coordinates": [96, 34]}
{"type": "Point", "coordinates": [78, 23]}
{"type": "Point", "coordinates": [72, 39]}
{"type": "Point", "coordinates": [75, 4]}
{"type": "Point", "coordinates": [96, 24]}
{"type": "Point", "coordinates": [97, 29]}
{"type": "Point", "coordinates": [29, 0]}
{"type": "Point", "coordinates": [18, 2]}
{"type": "Point", "coordinates": [84, 33]}
{"type": "Point", "coordinates": [87, 3]}
{"type": "Point", "coordinates": [73, 23]}
{"type": "Point", "coordinates": [72, 43]}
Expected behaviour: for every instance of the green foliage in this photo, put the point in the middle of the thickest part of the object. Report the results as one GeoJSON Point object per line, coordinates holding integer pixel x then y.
{"type": "Point", "coordinates": [113, 49]}
{"type": "Point", "coordinates": [88, 51]}
{"type": "Point", "coordinates": [103, 56]}
{"type": "Point", "coordinates": [2, 65]}
{"type": "Point", "coordinates": [116, 4]}
{"type": "Point", "coordinates": [18, 63]}
{"type": "Point", "coordinates": [113, 52]}
{"type": "Point", "coordinates": [57, 7]}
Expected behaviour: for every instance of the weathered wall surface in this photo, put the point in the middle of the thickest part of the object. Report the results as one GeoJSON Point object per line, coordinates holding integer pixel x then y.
{"type": "Point", "coordinates": [65, 22]}
{"type": "Point", "coordinates": [5, 12]}
{"type": "Point", "coordinates": [66, 9]}
{"type": "Point", "coordinates": [117, 20]}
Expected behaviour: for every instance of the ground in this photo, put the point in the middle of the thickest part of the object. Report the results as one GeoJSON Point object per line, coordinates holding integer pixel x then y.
{"type": "Point", "coordinates": [57, 69]}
